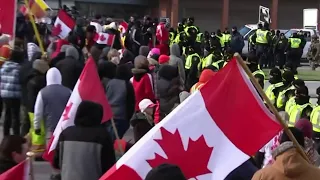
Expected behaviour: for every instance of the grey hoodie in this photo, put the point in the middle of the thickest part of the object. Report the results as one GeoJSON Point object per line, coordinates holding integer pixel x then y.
{"type": "Point", "coordinates": [175, 60]}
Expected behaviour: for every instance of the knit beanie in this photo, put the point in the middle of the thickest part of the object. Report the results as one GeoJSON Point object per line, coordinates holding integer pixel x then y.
{"type": "Point", "coordinates": [40, 65]}
{"type": "Point", "coordinates": [164, 59]}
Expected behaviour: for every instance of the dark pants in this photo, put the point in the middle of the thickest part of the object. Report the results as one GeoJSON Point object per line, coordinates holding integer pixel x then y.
{"type": "Point", "coordinates": [25, 126]}
{"type": "Point", "coordinates": [121, 125]}
{"type": "Point", "coordinates": [262, 53]}
{"type": "Point", "coordinates": [294, 58]}
{"type": "Point", "coordinates": [280, 59]}
{"type": "Point", "coordinates": [12, 116]}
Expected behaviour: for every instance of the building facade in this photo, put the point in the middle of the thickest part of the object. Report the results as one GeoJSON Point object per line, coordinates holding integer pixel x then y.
{"type": "Point", "coordinates": [209, 14]}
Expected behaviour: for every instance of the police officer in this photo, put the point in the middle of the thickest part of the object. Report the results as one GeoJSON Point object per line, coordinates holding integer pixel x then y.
{"type": "Point", "coordinates": [293, 51]}
{"type": "Point", "coordinates": [315, 119]}
{"type": "Point", "coordinates": [172, 36]}
{"type": "Point", "coordinates": [262, 37]}
{"type": "Point", "coordinates": [279, 50]}
{"type": "Point", "coordinates": [193, 67]}
{"type": "Point", "coordinates": [303, 107]}
{"type": "Point", "coordinates": [227, 38]}
{"type": "Point", "coordinates": [221, 38]}
{"type": "Point", "coordinates": [275, 81]}
{"type": "Point", "coordinates": [291, 96]}
{"type": "Point", "coordinates": [282, 98]}
{"type": "Point", "coordinates": [190, 25]}
{"type": "Point", "coordinates": [254, 68]}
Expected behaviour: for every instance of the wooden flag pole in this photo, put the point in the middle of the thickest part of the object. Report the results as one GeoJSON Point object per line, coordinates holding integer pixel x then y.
{"type": "Point", "coordinates": [271, 106]}
{"type": "Point", "coordinates": [36, 32]}
{"type": "Point", "coordinates": [115, 130]}
{"type": "Point", "coordinates": [31, 158]}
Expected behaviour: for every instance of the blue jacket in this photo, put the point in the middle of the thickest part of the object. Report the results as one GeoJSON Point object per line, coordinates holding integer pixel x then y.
{"type": "Point", "coordinates": [10, 86]}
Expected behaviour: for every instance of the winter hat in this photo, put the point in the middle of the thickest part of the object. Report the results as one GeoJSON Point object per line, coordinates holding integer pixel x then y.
{"type": "Point", "coordinates": [5, 52]}
{"type": "Point", "coordinates": [145, 103]}
{"type": "Point", "coordinates": [298, 83]}
{"type": "Point", "coordinates": [141, 62]}
{"type": "Point", "coordinates": [154, 51]}
{"type": "Point", "coordinates": [206, 75]}
{"type": "Point", "coordinates": [144, 50]}
{"type": "Point", "coordinates": [305, 126]}
{"type": "Point", "coordinates": [275, 72]}
{"type": "Point", "coordinates": [41, 66]}
{"type": "Point", "coordinates": [88, 114]}
{"type": "Point", "coordinates": [298, 134]}
{"type": "Point", "coordinates": [302, 91]}
{"type": "Point", "coordinates": [288, 76]}
{"type": "Point", "coordinates": [163, 59]}
{"type": "Point", "coordinates": [165, 172]}
{"type": "Point", "coordinates": [72, 52]}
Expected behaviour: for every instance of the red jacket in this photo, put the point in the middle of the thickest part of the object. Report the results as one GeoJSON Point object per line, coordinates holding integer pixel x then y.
{"type": "Point", "coordinates": [143, 89]}
{"type": "Point", "coordinates": [162, 34]}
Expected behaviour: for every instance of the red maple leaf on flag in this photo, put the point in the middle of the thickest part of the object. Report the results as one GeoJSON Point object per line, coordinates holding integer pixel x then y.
{"type": "Point", "coordinates": [66, 112]}
{"type": "Point", "coordinates": [102, 38]}
{"type": "Point", "coordinates": [56, 30]}
{"type": "Point", "coordinates": [193, 162]}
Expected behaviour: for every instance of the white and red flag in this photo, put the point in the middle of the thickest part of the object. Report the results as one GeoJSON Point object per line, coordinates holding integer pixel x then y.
{"type": "Point", "coordinates": [63, 25]}
{"type": "Point", "coordinates": [123, 26]}
{"type": "Point", "coordinates": [18, 172]}
{"type": "Point", "coordinates": [8, 17]}
{"type": "Point", "coordinates": [88, 88]}
{"type": "Point", "coordinates": [106, 39]}
{"type": "Point", "coordinates": [210, 134]}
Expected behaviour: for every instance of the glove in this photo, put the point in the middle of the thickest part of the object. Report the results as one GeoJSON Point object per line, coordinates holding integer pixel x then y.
{"type": "Point", "coordinates": [37, 131]}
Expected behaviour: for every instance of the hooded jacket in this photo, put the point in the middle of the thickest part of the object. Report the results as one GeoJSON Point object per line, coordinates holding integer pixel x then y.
{"type": "Point", "coordinates": [142, 81]}
{"type": "Point", "coordinates": [10, 86]}
{"type": "Point", "coordinates": [70, 68]}
{"type": "Point", "coordinates": [85, 151]}
{"type": "Point", "coordinates": [168, 88]}
{"type": "Point", "coordinates": [51, 101]}
{"type": "Point", "coordinates": [175, 60]}
{"type": "Point", "coordinates": [288, 165]}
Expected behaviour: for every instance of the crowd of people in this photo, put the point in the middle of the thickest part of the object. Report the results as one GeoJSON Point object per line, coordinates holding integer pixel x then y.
{"type": "Point", "coordinates": [147, 72]}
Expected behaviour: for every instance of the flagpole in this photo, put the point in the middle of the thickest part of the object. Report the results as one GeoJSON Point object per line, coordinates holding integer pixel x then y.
{"type": "Point", "coordinates": [271, 106]}
{"type": "Point", "coordinates": [36, 32]}
{"type": "Point", "coordinates": [30, 157]}
{"type": "Point", "coordinates": [115, 130]}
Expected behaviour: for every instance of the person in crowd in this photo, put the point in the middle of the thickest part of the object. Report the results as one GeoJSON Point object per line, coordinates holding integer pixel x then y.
{"type": "Point", "coordinates": [154, 61]}
{"type": "Point", "coordinates": [91, 34]}
{"type": "Point", "coordinates": [237, 42]}
{"type": "Point", "coordinates": [147, 30]}
{"type": "Point", "coordinates": [13, 150]}
{"type": "Point", "coordinates": [289, 163]}
{"type": "Point", "coordinates": [279, 50]}
{"type": "Point", "coordinates": [120, 96]}
{"type": "Point", "coordinates": [165, 172]}
{"type": "Point", "coordinates": [288, 78]}
{"type": "Point", "coordinates": [112, 29]}
{"type": "Point", "coordinates": [164, 60]}
{"type": "Point", "coordinates": [85, 151]}
{"type": "Point", "coordinates": [297, 83]}
{"type": "Point", "coordinates": [244, 172]}
{"type": "Point", "coordinates": [70, 68]}
{"type": "Point", "coordinates": [175, 60]}
{"type": "Point", "coordinates": [32, 47]}
{"type": "Point", "coordinates": [162, 36]}
{"type": "Point", "coordinates": [275, 81]}
{"type": "Point", "coordinates": [255, 70]}
{"type": "Point", "coordinates": [107, 71]}
{"type": "Point", "coordinates": [205, 76]}
{"type": "Point", "coordinates": [50, 103]}
{"type": "Point", "coordinates": [104, 54]}
{"type": "Point", "coordinates": [168, 88]}
{"type": "Point", "coordinates": [26, 73]}
{"type": "Point", "coordinates": [314, 118]}
{"type": "Point", "coordinates": [135, 34]}
{"type": "Point", "coordinates": [10, 90]}
{"type": "Point", "coordinates": [302, 107]}
{"type": "Point", "coordinates": [153, 52]}
{"type": "Point", "coordinates": [150, 110]}
{"type": "Point", "coordinates": [37, 81]}
{"type": "Point", "coordinates": [142, 81]}
{"type": "Point", "coordinates": [144, 51]}
{"type": "Point", "coordinates": [141, 125]}
{"type": "Point", "coordinates": [305, 126]}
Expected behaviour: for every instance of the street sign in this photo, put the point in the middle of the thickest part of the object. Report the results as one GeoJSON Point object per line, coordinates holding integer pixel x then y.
{"type": "Point", "coordinates": [264, 15]}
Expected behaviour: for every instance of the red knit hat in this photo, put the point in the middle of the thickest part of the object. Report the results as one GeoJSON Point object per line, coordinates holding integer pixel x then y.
{"type": "Point", "coordinates": [163, 59]}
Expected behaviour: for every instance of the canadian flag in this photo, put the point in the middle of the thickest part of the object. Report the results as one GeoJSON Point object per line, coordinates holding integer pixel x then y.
{"type": "Point", "coordinates": [97, 26]}
{"type": "Point", "coordinates": [123, 26]}
{"type": "Point", "coordinates": [105, 38]}
{"type": "Point", "coordinates": [210, 134]}
{"type": "Point", "coordinates": [18, 172]}
{"type": "Point", "coordinates": [63, 25]}
{"type": "Point", "coordinates": [88, 88]}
